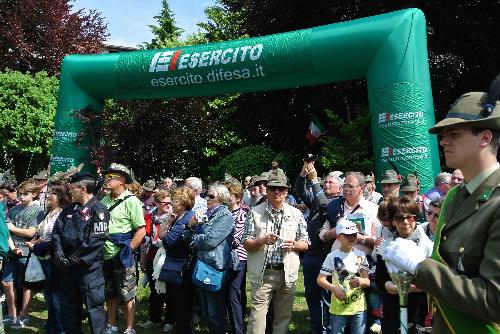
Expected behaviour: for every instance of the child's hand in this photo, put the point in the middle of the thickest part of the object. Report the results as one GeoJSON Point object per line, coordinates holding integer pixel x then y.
{"type": "Point", "coordinates": [17, 251]}
{"type": "Point", "coordinates": [338, 292]}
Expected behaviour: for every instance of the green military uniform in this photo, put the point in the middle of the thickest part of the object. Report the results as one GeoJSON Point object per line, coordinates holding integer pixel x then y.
{"type": "Point", "coordinates": [464, 273]}
{"type": "Point", "coordinates": [470, 246]}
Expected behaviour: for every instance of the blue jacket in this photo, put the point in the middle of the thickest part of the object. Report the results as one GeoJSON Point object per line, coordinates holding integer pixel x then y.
{"type": "Point", "coordinates": [126, 254]}
{"type": "Point", "coordinates": [213, 240]}
{"type": "Point", "coordinates": [173, 241]}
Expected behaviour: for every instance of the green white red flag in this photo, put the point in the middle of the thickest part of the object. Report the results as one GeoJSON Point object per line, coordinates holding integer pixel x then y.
{"type": "Point", "coordinates": [316, 129]}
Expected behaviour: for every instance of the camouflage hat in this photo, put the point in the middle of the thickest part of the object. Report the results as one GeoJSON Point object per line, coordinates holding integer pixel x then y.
{"type": "Point", "coordinates": [41, 175]}
{"type": "Point", "coordinates": [228, 178]}
{"type": "Point", "coordinates": [119, 169]}
{"type": "Point", "coordinates": [410, 183]}
{"type": "Point", "coordinates": [264, 177]}
{"type": "Point", "coordinates": [390, 176]}
{"type": "Point", "coordinates": [471, 109]}
{"type": "Point", "coordinates": [149, 185]}
{"type": "Point", "coordinates": [369, 178]}
{"type": "Point", "coordinates": [277, 179]}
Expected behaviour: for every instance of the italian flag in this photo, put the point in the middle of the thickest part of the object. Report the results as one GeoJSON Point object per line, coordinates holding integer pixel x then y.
{"type": "Point", "coordinates": [315, 130]}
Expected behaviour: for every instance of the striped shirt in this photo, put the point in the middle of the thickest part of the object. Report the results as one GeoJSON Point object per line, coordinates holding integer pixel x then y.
{"type": "Point", "coordinates": [240, 216]}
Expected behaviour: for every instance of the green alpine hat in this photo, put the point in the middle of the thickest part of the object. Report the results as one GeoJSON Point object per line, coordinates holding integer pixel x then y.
{"type": "Point", "coordinates": [473, 109]}
{"type": "Point", "coordinates": [390, 176]}
{"type": "Point", "coordinates": [41, 175]}
{"type": "Point", "coordinates": [369, 178]}
{"type": "Point", "coordinates": [149, 185]}
{"type": "Point", "coordinates": [277, 179]}
{"type": "Point", "coordinates": [410, 183]}
{"type": "Point", "coordinates": [262, 177]}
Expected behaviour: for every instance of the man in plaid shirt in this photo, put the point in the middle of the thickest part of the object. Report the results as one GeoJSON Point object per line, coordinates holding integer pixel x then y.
{"type": "Point", "coordinates": [274, 234]}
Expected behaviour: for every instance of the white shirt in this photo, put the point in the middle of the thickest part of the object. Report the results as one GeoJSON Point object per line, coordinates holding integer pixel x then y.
{"type": "Point", "coordinates": [368, 212]}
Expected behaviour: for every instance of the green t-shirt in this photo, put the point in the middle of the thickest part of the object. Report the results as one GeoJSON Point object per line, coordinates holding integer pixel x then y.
{"type": "Point", "coordinates": [125, 217]}
{"type": "Point", "coordinates": [4, 232]}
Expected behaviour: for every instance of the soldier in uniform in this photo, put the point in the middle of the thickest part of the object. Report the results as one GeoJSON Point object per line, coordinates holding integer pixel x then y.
{"type": "Point", "coordinates": [463, 275]}
{"type": "Point", "coordinates": [78, 237]}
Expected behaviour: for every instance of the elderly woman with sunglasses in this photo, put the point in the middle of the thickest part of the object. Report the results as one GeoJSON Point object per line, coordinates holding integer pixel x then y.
{"type": "Point", "coordinates": [212, 242]}
{"type": "Point", "coordinates": [403, 213]}
{"type": "Point", "coordinates": [157, 224]}
{"type": "Point", "coordinates": [432, 215]}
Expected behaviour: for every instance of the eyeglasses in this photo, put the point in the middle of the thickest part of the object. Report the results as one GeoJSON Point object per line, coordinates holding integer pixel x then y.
{"type": "Point", "coordinates": [112, 176]}
{"type": "Point", "coordinates": [432, 214]}
{"type": "Point", "coordinates": [210, 196]}
{"type": "Point", "coordinates": [350, 186]}
{"type": "Point", "coordinates": [280, 189]}
{"type": "Point", "coordinates": [402, 218]}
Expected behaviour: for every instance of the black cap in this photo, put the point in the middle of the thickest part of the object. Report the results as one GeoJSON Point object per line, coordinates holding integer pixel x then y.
{"type": "Point", "coordinates": [77, 177]}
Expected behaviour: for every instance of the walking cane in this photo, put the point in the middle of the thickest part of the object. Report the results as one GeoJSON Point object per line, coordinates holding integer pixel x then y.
{"type": "Point", "coordinates": [403, 281]}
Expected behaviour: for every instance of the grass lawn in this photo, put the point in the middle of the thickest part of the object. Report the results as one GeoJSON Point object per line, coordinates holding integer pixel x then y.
{"type": "Point", "coordinates": [298, 325]}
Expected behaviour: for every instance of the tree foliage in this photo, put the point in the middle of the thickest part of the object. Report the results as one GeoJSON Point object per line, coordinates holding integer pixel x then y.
{"type": "Point", "coordinates": [166, 34]}
{"type": "Point", "coordinates": [462, 56]}
{"type": "Point", "coordinates": [35, 35]}
{"type": "Point", "coordinates": [27, 110]}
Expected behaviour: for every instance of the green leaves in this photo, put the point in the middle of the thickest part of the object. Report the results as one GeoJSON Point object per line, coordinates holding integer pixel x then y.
{"type": "Point", "coordinates": [27, 109]}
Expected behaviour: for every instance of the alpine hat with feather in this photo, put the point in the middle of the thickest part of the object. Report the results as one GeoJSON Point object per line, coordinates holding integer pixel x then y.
{"type": "Point", "coordinates": [475, 109]}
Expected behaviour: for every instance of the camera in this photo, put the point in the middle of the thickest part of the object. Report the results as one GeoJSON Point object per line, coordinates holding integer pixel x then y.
{"type": "Point", "coordinates": [310, 157]}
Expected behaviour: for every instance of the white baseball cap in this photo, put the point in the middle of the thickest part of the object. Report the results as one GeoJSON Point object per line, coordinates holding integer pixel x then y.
{"type": "Point", "coordinates": [345, 226]}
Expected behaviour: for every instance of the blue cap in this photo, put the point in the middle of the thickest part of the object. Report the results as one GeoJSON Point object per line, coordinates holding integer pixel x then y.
{"type": "Point", "coordinates": [77, 177]}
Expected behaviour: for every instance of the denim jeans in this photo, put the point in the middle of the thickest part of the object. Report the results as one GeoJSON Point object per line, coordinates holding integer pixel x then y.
{"type": "Point", "coordinates": [214, 309]}
{"type": "Point", "coordinates": [51, 295]}
{"type": "Point", "coordinates": [357, 323]}
{"type": "Point", "coordinates": [237, 298]}
{"type": "Point", "coordinates": [315, 295]}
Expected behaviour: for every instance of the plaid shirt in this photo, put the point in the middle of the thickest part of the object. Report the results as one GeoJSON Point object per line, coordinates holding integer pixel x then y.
{"type": "Point", "coordinates": [274, 254]}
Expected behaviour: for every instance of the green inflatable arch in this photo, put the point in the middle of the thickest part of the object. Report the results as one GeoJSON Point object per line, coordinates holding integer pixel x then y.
{"type": "Point", "coordinates": [389, 50]}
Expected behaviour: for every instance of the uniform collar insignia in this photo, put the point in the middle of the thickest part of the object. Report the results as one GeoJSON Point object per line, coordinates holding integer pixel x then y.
{"type": "Point", "coordinates": [486, 194]}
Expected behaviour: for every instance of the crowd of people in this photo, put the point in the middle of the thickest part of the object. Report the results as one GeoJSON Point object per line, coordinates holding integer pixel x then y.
{"type": "Point", "coordinates": [262, 230]}
{"type": "Point", "coordinates": [198, 245]}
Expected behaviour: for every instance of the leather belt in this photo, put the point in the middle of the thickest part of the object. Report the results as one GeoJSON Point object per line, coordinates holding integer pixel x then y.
{"type": "Point", "coordinates": [278, 266]}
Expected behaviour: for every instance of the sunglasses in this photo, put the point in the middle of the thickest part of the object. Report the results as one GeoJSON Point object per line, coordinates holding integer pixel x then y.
{"type": "Point", "coordinates": [112, 176]}
{"type": "Point", "coordinates": [410, 218]}
{"type": "Point", "coordinates": [210, 196]}
{"type": "Point", "coordinates": [433, 214]}
{"type": "Point", "coordinates": [280, 189]}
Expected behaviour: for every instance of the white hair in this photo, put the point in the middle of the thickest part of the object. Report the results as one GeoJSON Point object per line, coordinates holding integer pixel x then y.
{"type": "Point", "coordinates": [195, 184]}
{"type": "Point", "coordinates": [221, 192]}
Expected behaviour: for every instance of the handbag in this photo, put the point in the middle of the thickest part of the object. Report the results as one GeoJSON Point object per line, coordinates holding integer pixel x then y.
{"type": "Point", "coordinates": [34, 277]}
{"type": "Point", "coordinates": [206, 277]}
{"type": "Point", "coordinates": [173, 270]}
